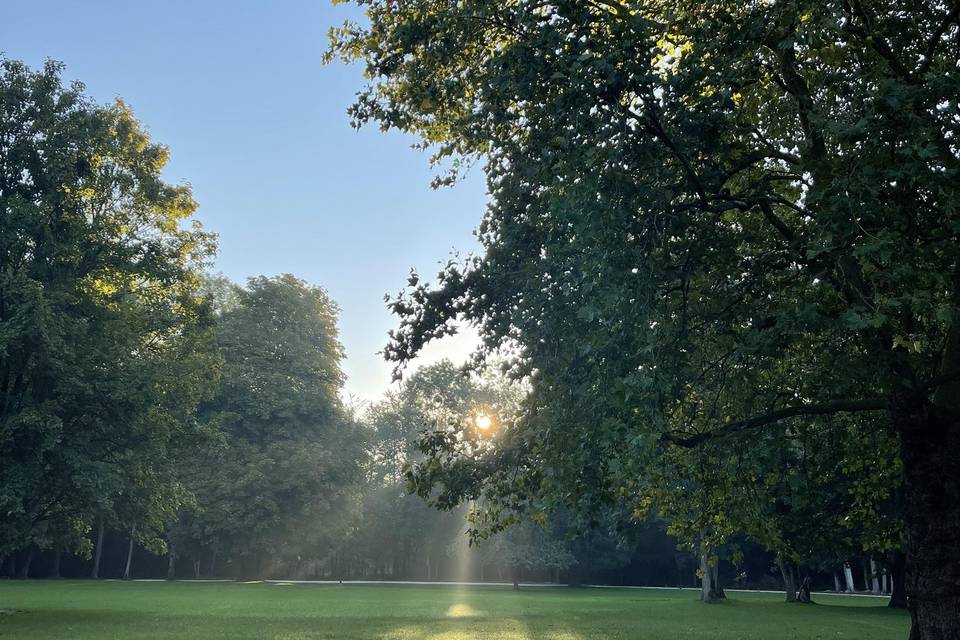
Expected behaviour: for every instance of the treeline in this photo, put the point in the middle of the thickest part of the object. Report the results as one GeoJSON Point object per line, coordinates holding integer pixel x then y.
{"type": "Point", "coordinates": [157, 421]}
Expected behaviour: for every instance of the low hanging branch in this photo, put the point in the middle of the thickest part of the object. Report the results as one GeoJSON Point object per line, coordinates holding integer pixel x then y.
{"type": "Point", "coordinates": [826, 408]}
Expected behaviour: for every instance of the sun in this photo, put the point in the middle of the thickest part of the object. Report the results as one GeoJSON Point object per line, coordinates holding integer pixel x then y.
{"type": "Point", "coordinates": [482, 421]}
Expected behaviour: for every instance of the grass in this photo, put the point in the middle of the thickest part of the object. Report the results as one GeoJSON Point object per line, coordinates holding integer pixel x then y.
{"type": "Point", "coordinates": [79, 610]}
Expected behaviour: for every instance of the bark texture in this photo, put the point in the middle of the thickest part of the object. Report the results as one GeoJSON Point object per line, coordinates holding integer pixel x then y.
{"type": "Point", "coordinates": [930, 449]}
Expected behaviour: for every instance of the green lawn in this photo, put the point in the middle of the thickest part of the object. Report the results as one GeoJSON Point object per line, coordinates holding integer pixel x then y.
{"type": "Point", "coordinates": [102, 610]}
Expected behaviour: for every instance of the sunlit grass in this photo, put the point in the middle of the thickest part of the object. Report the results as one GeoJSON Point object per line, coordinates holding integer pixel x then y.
{"type": "Point", "coordinates": [85, 610]}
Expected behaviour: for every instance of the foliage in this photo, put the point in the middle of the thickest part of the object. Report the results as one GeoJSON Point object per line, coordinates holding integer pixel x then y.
{"type": "Point", "coordinates": [708, 221]}
{"type": "Point", "coordinates": [104, 335]}
{"type": "Point", "coordinates": [279, 478]}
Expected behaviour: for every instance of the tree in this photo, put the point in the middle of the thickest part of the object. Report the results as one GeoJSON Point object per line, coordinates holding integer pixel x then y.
{"type": "Point", "coordinates": [284, 461]}
{"type": "Point", "coordinates": [707, 221]}
{"type": "Point", "coordinates": [105, 339]}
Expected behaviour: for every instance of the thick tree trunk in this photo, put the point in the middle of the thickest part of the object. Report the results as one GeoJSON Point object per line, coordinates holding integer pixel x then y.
{"type": "Point", "coordinates": [708, 591]}
{"type": "Point", "coordinates": [126, 568]}
{"type": "Point", "coordinates": [55, 570]}
{"type": "Point", "coordinates": [789, 584]}
{"type": "Point", "coordinates": [98, 551]}
{"type": "Point", "coordinates": [25, 569]}
{"type": "Point", "coordinates": [898, 578]}
{"type": "Point", "coordinates": [930, 449]}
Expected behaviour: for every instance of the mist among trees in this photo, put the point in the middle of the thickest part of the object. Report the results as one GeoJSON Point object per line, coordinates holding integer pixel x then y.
{"type": "Point", "coordinates": [717, 293]}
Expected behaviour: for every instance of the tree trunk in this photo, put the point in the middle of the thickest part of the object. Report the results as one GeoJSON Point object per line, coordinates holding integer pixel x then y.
{"type": "Point", "coordinates": [515, 576]}
{"type": "Point", "coordinates": [875, 575]}
{"type": "Point", "coordinates": [707, 592]}
{"type": "Point", "coordinates": [716, 589]}
{"type": "Point", "coordinates": [836, 582]}
{"type": "Point", "coordinates": [126, 568]}
{"type": "Point", "coordinates": [55, 570]}
{"type": "Point", "coordinates": [898, 579]}
{"type": "Point", "coordinates": [803, 593]}
{"type": "Point", "coordinates": [171, 561]}
{"type": "Point", "coordinates": [213, 562]}
{"type": "Point", "coordinates": [866, 575]}
{"type": "Point", "coordinates": [848, 578]}
{"type": "Point", "coordinates": [196, 568]}
{"type": "Point", "coordinates": [25, 569]}
{"type": "Point", "coordinates": [98, 552]}
{"type": "Point", "coordinates": [930, 449]}
{"type": "Point", "coordinates": [789, 584]}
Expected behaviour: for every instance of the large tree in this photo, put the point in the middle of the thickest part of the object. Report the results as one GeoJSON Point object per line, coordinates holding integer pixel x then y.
{"type": "Point", "coordinates": [708, 220]}
{"type": "Point", "coordinates": [104, 334]}
{"type": "Point", "coordinates": [277, 480]}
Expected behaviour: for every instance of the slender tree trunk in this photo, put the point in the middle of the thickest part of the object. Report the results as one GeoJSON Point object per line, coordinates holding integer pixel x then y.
{"type": "Point", "coordinates": [55, 570]}
{"type": "Point", "coordinates": [848, 577]}
{"type": "Point", "coordinates": [789, 583]}
{"type": "Point", "coordinates": [126, 568]}
{"type": "Point", "coordinates": [803, 591]}
{"type": "Point", "coordinates": [171, 561]}
{"type": "Point", "coordinates": [836, 581]}
{"type": "Point", "coordinates": [875, 575]}
{"type": "Point", "coordinates": [885, 588]}
{"type": "Point", "coordinates": [196, 568]}
{"type": "Point", "coordinates": [25, 569]}
{"type": "Point", "coordinates": [930, 449]}
{"type": "Point", "coordinates": [866, 575]}
{"type": "Point", "coordinates": [515, 576]}
{"type": "Point", "coordinates": [98, 551]}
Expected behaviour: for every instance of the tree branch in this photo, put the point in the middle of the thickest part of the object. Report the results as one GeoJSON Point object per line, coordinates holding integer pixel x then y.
{"type": "Point", "coordinates": [827, 408]}
{"type": "Point", "coordinates": [935, 38]}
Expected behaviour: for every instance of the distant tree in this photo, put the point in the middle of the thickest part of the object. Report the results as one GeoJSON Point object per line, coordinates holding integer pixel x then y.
{"type": "Point", "coordinates": [283, 465]}
{"type": "Point", "coordinates": [707, 221]}
{"type": "Point", "coordinates": [105, 342]}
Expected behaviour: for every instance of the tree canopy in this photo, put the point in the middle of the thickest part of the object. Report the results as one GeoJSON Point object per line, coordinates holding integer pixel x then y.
{"type": "Point", "coordinates": [105, 342]}
{"type": "Point", "coordinates": [709, 222]}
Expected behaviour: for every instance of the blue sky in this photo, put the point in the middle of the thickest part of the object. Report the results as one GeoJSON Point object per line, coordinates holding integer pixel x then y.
{"type": "Point", "coordinates": [258, 126]}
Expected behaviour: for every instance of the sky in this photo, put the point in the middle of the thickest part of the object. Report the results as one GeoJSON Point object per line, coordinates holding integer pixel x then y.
{"type": "Point", "coordinates": [258, 126]}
